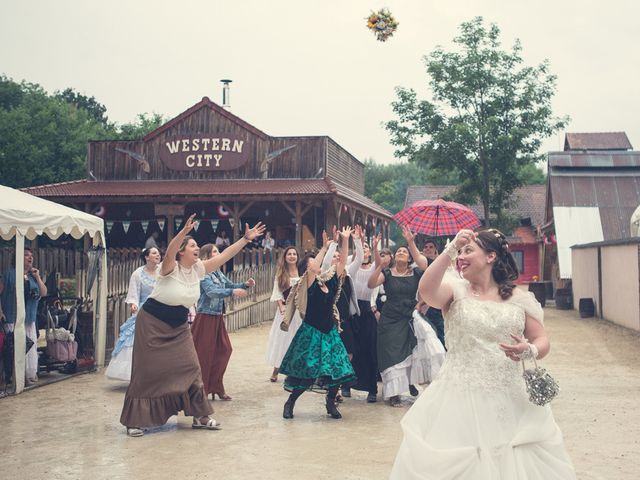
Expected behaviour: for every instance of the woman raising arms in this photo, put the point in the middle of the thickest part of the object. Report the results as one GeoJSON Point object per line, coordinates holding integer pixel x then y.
{"type": "Point", "coordinates": [166, 376]}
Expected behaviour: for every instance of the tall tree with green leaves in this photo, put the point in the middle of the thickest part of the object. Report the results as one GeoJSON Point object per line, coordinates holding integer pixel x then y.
{"type": "Point", "coordinates": [43, 138]}
{"type": "Point", "coordinates": [486, 121]}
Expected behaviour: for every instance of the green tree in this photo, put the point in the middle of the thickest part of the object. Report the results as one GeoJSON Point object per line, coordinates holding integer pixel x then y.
{"type": "Point", "coordinates": [143, 124]}
{"type": "Point", "coordinates": [94, 108]}
{"type": "Point", "coordinates": [43, 138]}
{"type": "Point", "coordinates": [486, 121]}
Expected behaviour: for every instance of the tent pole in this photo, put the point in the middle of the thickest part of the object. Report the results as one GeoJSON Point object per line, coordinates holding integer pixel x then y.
{"type": "Point", "coordinates": [19, 332]}
{"type": "Point", "coordinates": [100, 311]}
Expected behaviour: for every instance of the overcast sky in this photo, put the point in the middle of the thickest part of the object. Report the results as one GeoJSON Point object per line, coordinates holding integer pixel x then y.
{"type": "Point", "coordinates": [303, 67]}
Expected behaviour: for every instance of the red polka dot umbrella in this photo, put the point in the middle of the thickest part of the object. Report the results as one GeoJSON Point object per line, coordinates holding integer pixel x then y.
{"type": "Point", "coordinates": [437, 218]}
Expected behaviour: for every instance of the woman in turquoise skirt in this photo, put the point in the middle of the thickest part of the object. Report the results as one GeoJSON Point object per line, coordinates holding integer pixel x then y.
{"type": "Point", "coordinates": [316, 359]}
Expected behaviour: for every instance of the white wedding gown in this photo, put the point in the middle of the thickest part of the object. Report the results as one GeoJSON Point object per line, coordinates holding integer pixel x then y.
{"type": "Point", "coordinates": [475, 421]}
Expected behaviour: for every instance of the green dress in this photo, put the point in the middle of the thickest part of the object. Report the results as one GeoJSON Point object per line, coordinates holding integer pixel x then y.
{"type": "Point", "coordinates": [395, 336]}
{"type": "Point", "coordinates": [316, 358]}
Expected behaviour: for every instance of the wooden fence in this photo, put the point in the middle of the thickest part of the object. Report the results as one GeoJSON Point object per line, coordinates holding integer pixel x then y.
{"type": "Point", "coordinates": [70, 264]}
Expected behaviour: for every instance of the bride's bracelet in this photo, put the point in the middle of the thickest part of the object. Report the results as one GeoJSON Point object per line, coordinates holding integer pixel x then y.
{"type": "Point", "coordinates": [451, 250]}
{"type": "Point", "coordinates": [529, 353]}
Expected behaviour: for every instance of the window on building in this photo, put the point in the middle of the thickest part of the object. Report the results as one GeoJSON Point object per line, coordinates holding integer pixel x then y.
{"type": "Point", "coordinates": [519, 258]}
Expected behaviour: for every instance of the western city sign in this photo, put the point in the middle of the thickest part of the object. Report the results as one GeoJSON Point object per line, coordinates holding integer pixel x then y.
{"type": "Point", "coordinates": [204, 153]}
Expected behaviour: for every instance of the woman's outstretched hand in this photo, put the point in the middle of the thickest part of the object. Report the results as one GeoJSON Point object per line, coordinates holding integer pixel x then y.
{"type": "Point", "coordinates": [255, 232]}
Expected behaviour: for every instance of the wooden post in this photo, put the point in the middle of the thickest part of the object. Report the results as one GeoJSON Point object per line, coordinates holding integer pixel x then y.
{"type": "Point", "coordinates": [170, 228]}
{"type": "Point", "coordinates": [236, 221]}
{"type": "Point", "coordinates": [298, 225]}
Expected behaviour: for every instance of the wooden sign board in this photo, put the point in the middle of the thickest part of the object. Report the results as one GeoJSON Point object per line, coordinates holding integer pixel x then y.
{"type": "Point", "coordinates": [204, 153]}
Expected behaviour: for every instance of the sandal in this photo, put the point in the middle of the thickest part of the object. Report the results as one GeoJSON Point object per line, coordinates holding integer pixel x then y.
{"type": "Point", "coordinates": [338, 398]}
{"type": "Point", "coordinates": [273, 379]}
{"type": "Point", "coordinates": [210, 425]}
{"type": "Point", "coordinates": [135, 432]}
{"type": "Point", "coordinates": [395, 401]}
{"type": "Point", "coordinates": [224, 396]}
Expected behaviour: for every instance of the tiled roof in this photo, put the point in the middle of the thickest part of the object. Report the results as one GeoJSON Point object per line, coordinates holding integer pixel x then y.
{"type": "Point", "coordinates": [103, 191]}
{"type": "Point", "coordinates": [527, 201]}
{"type": "Point", "coordinates": [349, 194]}
{"type": "Point", "coordinates": [179, 188]}
{"type": "Point", "coordinates": [597, 141]}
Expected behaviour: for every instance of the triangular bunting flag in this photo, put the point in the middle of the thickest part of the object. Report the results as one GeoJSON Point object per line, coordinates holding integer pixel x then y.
{"type": "Point", "coordinates": [109, 225]}
{"type": "Point", "coordinates": [126, 224]}
{"type": "Point", "coordinates": [160, 222]}
{"type": "Point", "coordinates": [145, 224]}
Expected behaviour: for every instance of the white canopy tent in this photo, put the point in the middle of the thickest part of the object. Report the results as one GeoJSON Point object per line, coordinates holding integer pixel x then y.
{"type": "Point", "coordinates": [25, 216]}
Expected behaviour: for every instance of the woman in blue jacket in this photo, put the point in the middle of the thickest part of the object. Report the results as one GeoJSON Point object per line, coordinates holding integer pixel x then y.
{"type": "Point", "coordinates": [209, 331]}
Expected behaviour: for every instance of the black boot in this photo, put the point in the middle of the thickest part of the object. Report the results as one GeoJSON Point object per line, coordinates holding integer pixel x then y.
{"type": "Point", "coordinates": [288, 407]}
{"type": "Point", "coordinates": [287, 412]}
{"type": "Point", "coordinates": [331, 406]}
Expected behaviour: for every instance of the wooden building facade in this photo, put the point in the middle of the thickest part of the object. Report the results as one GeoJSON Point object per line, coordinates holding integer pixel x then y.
{"type": "Point", "coordinates": [210, 162]}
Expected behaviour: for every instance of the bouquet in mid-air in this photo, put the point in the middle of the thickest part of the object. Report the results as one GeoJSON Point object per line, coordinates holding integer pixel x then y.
{"type": "Point", "coordinates": [382, 24]}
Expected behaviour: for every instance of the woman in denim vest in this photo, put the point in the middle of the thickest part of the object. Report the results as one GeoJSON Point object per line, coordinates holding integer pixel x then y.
{"type": "Point", "coordinates": [209, 332]}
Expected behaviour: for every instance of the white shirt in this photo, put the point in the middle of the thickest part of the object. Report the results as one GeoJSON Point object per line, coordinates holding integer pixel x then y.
{"type": "Point", "coordinates": [181, 286]}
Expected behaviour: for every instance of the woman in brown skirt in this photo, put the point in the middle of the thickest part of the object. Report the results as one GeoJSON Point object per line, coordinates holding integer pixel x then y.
{"type": "Point", "coordinates": [209, 331]}
{"type": "Point", "coordinates": [165, 375]}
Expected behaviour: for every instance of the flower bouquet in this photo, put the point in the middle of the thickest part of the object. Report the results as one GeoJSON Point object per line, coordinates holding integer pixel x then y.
{"type": "Point", "coordinates": [382, 24]}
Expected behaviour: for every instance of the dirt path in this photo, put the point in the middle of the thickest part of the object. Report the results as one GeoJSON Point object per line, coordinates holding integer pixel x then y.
{"type": "Point", "coordinates": [70, 429]}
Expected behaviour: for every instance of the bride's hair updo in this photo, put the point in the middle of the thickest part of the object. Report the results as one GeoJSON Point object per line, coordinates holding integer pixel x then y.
{"type": "Point", "coordinates": [504, 269]}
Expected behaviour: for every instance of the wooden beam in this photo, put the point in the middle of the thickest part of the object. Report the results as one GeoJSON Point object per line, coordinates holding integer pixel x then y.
{"type": "Point", "coordinates": [245, 208]}
{"type": "Point", "coordinates": [291, 210]}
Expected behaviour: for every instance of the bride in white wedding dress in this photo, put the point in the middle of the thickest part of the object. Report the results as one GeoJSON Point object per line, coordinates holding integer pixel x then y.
{"type": "Point", "coordinates": [475, 421]}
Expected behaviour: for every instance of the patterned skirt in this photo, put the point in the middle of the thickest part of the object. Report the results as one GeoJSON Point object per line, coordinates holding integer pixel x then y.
{"type": "Point", "coordinates": [316, 361]}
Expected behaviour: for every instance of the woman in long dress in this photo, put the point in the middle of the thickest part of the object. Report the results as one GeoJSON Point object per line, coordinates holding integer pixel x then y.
{"type": "Point", "coordinates": [317, 359]}
{"type": "Point", "coordinates": [209, 332]}
{"type": "Point", "coordinates": [141, 285]}
{"type": "Point", "coordinates": [364, 324]}
{"type": "Point", "coordinates": [396, 341]}
{"type": "Point", "coordinates": [279, 340]}
{"type": "Point", "coordinates": [347, 303]}
{"type": "Point", "coordinates": [475, 421]}
{"type": "Point", "coordinates": [166, 376]}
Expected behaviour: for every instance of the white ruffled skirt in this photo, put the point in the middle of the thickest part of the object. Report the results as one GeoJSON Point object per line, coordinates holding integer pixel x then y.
{"type": "Point", "coordinates": [120, 366]}
{"type": "Point", "coordinates": [279, 340]}
{"type": "Point", "coordinates": [420, 367]}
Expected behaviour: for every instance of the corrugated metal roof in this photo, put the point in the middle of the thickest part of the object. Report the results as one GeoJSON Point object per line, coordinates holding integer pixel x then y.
{"type": "Point", "coordinates": [527, 201]}
{"type": "Point", "coordinates": [572, 160]}
{"type": "Point", "coordinates": [605, 184]}
{"type": "Point", "coordinates": [597, 141]}
{"type": "Point", "coordinates": [616, 196]}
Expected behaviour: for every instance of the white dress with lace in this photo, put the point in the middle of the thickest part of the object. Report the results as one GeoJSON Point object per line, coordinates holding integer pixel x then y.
{"type": "Point", "coordinates": [279, 340]}
{"type": "Point", "coordinates": [475, 420]}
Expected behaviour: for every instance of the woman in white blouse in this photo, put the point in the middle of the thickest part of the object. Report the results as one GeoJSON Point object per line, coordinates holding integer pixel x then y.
{"type": "Point", "coordinates": [166, 377]}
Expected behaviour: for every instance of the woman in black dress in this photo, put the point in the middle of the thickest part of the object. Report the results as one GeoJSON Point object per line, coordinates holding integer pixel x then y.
{"type": "Point", "coordinates": [317, 359]}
